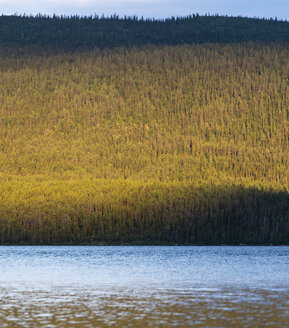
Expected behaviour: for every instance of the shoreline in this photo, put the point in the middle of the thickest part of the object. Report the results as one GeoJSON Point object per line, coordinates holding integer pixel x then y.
{"type": "Point", "coordinates": [143, 245]}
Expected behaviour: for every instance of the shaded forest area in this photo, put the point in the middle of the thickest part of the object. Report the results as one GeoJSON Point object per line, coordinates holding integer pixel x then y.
{"type": "Point", "coordinates": [75, 32]}
{"type": "Point", "coordinates": [151, 144]}
{"type": "Point", "coordinates": [137, 212]}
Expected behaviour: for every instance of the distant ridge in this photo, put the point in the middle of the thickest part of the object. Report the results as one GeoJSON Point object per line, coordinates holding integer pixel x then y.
{"type": "Point", "coordinates": [76, 32]}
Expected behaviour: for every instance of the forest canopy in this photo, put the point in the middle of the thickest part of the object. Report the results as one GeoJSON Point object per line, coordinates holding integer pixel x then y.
{"type": "Point", "coordinates": [166, 142]}
{"type": "Point", "coordinates": [75, 32]}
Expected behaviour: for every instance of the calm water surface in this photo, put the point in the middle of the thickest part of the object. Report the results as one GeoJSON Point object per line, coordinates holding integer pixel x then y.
{"type": "Point", "coordinates": [144, 287]}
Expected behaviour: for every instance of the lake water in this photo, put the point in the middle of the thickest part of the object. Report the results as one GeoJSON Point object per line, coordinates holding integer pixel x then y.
{"type": "Point", "coordinates": [144, 287]}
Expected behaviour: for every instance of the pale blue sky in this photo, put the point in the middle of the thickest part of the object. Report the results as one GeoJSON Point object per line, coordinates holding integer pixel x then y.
{"type": "Point", "coordinates": [149, 8]}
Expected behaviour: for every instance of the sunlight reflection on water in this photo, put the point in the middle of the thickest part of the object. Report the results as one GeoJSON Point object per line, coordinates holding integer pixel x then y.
{"type": "Point", "coordinates": [144, 286]}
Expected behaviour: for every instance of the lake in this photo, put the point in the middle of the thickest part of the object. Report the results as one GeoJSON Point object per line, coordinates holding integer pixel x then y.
{"type": "Point", "coordinates": [144, 286]}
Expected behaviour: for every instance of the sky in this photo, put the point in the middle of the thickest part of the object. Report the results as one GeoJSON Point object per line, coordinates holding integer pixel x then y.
{"type": "Point", "coordinates": [149, 8]}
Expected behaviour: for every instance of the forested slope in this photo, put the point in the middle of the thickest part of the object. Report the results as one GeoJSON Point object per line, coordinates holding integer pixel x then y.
{"type": "Point", "coordinates": [72, 33]}
{"type": "Point", "coordinates": [149, 144]}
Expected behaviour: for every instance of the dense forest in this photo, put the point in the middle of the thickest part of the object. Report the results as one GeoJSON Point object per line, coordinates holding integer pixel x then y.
{"type": "Point", "coordinates": [72, 33]}
{"type": "Point", "coordinates": [126, 130]}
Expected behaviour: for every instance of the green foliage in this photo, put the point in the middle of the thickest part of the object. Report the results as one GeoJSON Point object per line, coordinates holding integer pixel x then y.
{"type": "Point", "coordinates": [126, 211]}
{"type": "Point", "coordinates": [153, 144]}
{"type": "Point", "coordinates": [70, 33]}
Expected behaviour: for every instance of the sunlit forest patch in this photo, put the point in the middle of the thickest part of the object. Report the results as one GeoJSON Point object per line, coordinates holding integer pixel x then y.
{"type": "Point", "coordinates": [137, 141]}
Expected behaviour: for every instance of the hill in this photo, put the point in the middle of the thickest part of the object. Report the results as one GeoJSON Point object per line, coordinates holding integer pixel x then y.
{"type": "Point", "coordinates": [141, 144]}
{"type": "Point", "coordinates": [86, 33]}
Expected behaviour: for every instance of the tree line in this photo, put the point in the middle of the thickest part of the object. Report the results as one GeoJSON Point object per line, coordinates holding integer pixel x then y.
{"type": "Point", "coordinates": [56, 33]}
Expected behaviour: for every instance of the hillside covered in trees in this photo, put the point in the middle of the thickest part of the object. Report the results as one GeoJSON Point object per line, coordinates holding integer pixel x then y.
{"type": "Point", "coordinates": [141, 131]}
{"type": "Point", "coordinates": [85, 33]}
